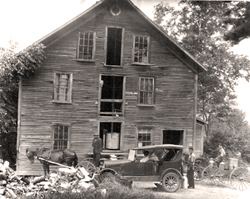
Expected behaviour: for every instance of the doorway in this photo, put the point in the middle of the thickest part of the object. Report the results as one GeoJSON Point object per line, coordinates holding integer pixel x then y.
{"type": "Point", "coordinates": [173, 137]}
{"type": "Point", "coordinates": [110, 133]}
{"type": "Point", "coordinates": [114, 46]}
{"type": "Point", "coordinates": [111, 101]}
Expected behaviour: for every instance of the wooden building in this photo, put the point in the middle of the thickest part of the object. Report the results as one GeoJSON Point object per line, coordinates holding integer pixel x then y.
{"type": "Point", "coordinates": [110, 71]}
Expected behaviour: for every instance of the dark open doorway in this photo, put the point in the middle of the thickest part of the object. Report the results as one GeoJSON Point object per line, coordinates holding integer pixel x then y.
{"type": "Point", "coordinates": [110, 133]}
{"type": "Point", "coordinates": [173, 137]}
{"type": "Point", "coordinates": [114, 46]}
{"type": "Point", "coordinates": [111, 95]}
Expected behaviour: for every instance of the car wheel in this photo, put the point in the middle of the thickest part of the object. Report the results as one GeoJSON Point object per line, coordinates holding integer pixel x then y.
{"type": "Point", "coordinates": [171, 182]}
{"type": "Point", "coordinates": [89, 166]}
{"type": "Point", "coordinates": [107, 177]}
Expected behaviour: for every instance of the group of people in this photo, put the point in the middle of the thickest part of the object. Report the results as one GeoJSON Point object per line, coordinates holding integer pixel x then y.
{"type": "Point", "coordinates": [191, 161]}
{"type": "Point", "coordinates": [149, 157]}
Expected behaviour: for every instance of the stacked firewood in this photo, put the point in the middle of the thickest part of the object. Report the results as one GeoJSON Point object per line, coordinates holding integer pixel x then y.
{"type": "Point", "coordinates": [13, 186]}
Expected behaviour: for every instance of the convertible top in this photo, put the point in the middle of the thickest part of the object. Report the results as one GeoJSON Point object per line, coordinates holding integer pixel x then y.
{"type": "Point", "coordinates": [160, 146]}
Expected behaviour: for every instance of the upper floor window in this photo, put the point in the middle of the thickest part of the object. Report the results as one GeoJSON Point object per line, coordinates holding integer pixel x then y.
{"type": "Point", "coordinates": [111, 101]}
{"type": "Point", "coordinates": [61, 136]}
{"type": "Point", "coordinates": [86, 46]}
{"type": "Point", "coordinates": [63, 87]}
{"type": "Point", "coordinates": [141, 49]}
{"type": "Point", "coordinates": [146, 90]}
{"type": "Point", "coordinates": [114, 46]}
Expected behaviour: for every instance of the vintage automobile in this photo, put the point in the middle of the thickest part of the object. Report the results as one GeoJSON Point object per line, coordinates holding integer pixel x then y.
{"type": "Point", "coordinates": [165, 166]}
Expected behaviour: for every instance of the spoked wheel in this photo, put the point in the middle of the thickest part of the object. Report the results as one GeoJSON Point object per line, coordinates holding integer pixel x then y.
{"type": "Point", "coordinates": [198, 172]}
{"type": "Point", "coordinates": [88, 166]}
{"type": "Point", "coordinates": [171, 182]}
{"type": "Point", "coordinates": [240, 178]}
{"type": "Point", "coordinates": [209, 174]}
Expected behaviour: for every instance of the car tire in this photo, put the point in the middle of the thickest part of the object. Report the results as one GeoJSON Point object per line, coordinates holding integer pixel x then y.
{"type": "Point", "coordinates": [171, 182]}
{"type": "Point", "coordinates": [107, 177]}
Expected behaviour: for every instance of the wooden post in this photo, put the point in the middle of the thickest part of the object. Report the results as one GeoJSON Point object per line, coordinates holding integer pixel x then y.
{"type": "Point", "coordinates": [19, 114]}
{"type": "Point", "coordinates": [195, 108]}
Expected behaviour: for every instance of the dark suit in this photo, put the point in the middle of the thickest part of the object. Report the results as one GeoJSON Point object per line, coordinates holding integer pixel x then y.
{"type": "Point", "coordinates": [190, 170]}
{"type": "Point", "coordinates": [97, 149]}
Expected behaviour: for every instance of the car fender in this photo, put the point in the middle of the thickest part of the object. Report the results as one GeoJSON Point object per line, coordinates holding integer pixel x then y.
{"type": "Point", "coordinates": [108, 170]}
{"type": "Point", "coordinates": [170, 170]}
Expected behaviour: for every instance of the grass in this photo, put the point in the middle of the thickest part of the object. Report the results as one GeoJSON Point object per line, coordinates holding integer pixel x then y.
{"type": "Point", "coordinates": [113, 191]}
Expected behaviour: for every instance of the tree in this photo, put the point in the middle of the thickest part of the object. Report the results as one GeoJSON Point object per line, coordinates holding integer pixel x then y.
{"type": "Point", "coordinates": [233, 133]}
{"type": "Point", "coordinates": [239, 19]}
{"type": "Point", "coordinates": [14, 66]}
{"type": "Point", "coordinates": [199, 28]}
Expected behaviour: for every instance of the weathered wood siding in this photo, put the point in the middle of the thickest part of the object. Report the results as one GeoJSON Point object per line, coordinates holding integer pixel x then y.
{"type": "Point", "coordinates": [174, 86]}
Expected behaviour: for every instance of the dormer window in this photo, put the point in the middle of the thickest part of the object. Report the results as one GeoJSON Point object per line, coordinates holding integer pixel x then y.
{"type": "Point", "coordinates": [141, 49]}
{"type": "Point", "coordinates": [86, 46]}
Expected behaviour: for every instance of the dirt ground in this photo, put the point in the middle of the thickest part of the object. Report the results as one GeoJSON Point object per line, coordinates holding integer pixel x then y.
{"type": "Point", "coordinates": [201, 191]}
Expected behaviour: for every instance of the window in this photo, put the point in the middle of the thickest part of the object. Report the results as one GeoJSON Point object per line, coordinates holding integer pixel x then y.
{"type": "Point", "coordinates": [141, 49]}
{"type": "Point", "coordinates": [86, 46]}
{"type": "Point", "coordinates": [146, 90]}
{"type": "Point", "coordinates": [114, 46]}
{"type": "Point", "coordinates": [111, 95]}
{"type": "Point", "coordinates": [62, 87]}
{"type": "Point", "coordinates": [110, 133]}
{"type": "Point", "coordinates": [61, 136]}
{"type": "Point", "coordinates": [144, 137]}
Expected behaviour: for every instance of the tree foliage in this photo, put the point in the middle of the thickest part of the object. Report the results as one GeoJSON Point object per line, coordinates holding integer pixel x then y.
{"type": "Point", "coordinates": [199, 27]}
{"type": "Point", "coordinates": [239, 20]}
{"type": "Point", "coordinates": [14, 66]}
{"type": "Point", "coordinates": [232, 133]}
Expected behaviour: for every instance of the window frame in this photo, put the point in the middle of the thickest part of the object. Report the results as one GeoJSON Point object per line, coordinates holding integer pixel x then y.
{"type": "Point", "coordinates": [69, 89]}
{"type": "Point", "coordinates": [133, 50]}
{"type": "Point", "coordinates": [93, 50]}
{"type": "Point", "coordinates": [106, 46]}
{"type": "Point", "coordinates": [54, 125]}
{"type": "Point", "coordinates": [139, 91]}
{"type": "Point", "coordinates": [100, 100]}
{"type": "Point", "coordinates": [149, 130]}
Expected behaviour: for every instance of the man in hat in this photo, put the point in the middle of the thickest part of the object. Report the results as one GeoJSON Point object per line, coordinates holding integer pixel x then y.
{"type": "Point", "coordinates": [190, 168]}
{"type": "Point", "coordinates": [97, 149]}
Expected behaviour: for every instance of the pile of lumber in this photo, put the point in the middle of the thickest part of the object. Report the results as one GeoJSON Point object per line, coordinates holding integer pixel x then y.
{"type": "Point", "coordinates": [65, 179]}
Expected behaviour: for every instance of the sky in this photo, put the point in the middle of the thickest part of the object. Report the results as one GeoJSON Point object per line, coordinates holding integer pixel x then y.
{"type": "Point", "coordinates": [26, 21]}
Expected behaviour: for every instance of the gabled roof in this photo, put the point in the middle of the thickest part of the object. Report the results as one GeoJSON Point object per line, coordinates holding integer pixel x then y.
{"type": "Point", "coordinates": [178, 51]}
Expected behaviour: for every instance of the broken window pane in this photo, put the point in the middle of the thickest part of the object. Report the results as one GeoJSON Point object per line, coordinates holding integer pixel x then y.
{"type": "Point", "coordinates": [62, 87]}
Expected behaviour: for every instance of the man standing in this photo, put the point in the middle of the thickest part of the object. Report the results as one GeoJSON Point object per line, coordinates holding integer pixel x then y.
{"type": "Point", "coordinates": [97, 149]}
{"type": "Point", "coordinates": [190, 168]}
{"type": "Point", "coordinates": [221, 155]}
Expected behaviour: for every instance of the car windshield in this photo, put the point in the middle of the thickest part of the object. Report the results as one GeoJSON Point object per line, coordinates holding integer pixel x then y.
{"type": "Point", "coordinates": [162, 154]}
